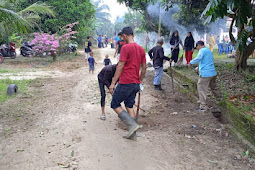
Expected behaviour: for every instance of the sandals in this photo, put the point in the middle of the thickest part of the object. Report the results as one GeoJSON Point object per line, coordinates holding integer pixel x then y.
{"type": "Point", "coordinates": [102, 117]}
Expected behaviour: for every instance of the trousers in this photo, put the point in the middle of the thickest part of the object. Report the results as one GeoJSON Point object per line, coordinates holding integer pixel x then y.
{"type": "Point", "coordinates": [188, 55]}
{"type": "Point", "coordinates": [158, 75]}
{"type": "Point", "coordinates": [202, 86]}
{"type": "Point", "coordinates": [103, 94]}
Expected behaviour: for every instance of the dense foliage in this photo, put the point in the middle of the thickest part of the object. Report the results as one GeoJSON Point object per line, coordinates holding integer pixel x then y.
{"type": "Point", "coordinates": [188, 14]}
{"type": "Point", "coordinates": [68, 11]}
{"type": "Point", "coordinates": [14, 20]}
{"type": "Point", "coordinates": [242, 14]}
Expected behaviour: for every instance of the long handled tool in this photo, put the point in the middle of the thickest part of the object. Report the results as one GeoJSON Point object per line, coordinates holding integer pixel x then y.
{"type": "Point", "coordinates": [171, 73]}
{"type": "Point", "coordinates": [138, 105]}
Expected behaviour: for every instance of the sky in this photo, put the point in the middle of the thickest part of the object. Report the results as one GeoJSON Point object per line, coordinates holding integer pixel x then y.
{"type": "Point", "coordinates": [116, 9]}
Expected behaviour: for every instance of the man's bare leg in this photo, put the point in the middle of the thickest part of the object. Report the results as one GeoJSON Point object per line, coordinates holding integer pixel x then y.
{"type": "Point", "coordinates": [131, 112]}
{"type": "Point", "coordinates": [103, 112]}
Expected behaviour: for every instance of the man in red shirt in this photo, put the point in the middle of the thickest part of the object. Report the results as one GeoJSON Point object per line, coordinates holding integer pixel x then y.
{"type": "Point", "coordinates": [132, 58]}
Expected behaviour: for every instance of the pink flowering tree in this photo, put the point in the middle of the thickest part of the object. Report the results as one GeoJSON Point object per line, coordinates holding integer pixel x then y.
{"type": "Point", "coordinates": [46, 44]}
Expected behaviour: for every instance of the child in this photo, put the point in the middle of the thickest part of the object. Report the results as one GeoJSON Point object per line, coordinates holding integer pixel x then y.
{"type": "Point", "coordinates": [92, 62]}
{"type": "Point", "coordinates": [107, 61]}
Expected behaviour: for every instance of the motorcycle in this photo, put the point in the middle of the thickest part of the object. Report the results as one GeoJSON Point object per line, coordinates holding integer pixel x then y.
{"type": "Point", "coordinates": [26, 50]}
{"type": "Point", "coordinates": [72, 47]}
{"type": "Point", "coordinates": [8, 51]}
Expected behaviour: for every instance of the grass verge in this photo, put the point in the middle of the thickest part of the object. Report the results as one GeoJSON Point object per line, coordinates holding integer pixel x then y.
{"type": "Point", "coordinates": [22, 87]}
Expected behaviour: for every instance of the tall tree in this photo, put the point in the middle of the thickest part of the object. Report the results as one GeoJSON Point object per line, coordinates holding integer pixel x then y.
{"type": "Point", "coordinates": [242, 13]}
{"type": "Point", "coordinates": [103, 23]}
{"type": "Point", "coordinates": [19, 21]}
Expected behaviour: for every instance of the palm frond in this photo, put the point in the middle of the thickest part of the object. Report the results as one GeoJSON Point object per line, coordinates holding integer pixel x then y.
{"type": "Point", "coordinates": [37, 8]}
{"type": "Point", "coordinates": [12, 21]}
{"type": "Point", "coordinates": [102, 7]}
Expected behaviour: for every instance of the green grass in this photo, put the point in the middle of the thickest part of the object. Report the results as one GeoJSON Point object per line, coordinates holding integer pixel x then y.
{"type": "Point", "coordinates": [23, 85]}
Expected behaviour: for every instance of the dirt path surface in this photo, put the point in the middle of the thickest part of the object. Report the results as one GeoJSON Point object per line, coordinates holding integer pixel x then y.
{"type": "Point", "coordinates": [57, 122]}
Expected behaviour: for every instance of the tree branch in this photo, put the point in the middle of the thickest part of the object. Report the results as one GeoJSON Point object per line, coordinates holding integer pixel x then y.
{"type": "Point", "coordinates": [232, 38]}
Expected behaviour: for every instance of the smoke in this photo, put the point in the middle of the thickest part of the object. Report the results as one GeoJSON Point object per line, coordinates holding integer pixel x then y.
{"type": "Point", "coordinates": [167, 18]}
{"type": "Point", "coordinates": [168, 21]}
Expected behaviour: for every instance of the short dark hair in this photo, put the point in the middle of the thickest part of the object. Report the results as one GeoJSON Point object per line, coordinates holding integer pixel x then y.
{"type": "Point", "coordinates": [127, 31]}
{"type": "Point", "coordinates": [200, 43]}
{"type": "Point", "coordinates": [88, 37]}
{"type": "Point", "coordinates": [120, 34]}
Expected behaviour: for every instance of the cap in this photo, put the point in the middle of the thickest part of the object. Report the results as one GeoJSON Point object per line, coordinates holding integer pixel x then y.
{"type": "Point", "coordinates": [127, 31]}
{"type": "Point", "coordinates": [160, 40]}
{"type": "Point", "coordinates": [199, 43]}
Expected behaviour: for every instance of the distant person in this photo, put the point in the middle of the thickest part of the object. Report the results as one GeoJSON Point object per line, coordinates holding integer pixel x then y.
{"type": "Point", "coordinates": [189, 47]}
{"type": "Point", "coordinates": [120, 43]}
{"type": "Point", "coordinates": [157, 54]}
{"type": "Point", "coordinates": [88, 48]}
{"type": "Point", "coordinates": [112, 44]}
{"type": "Point", "coordinates": [107, 61]}
{"type": "Point", "coordinates": [211, 42]}
{"type": "Point", "coordinates": [207, 74]}
{"type": "Point", "coordinates": [175, 41]}
{"type": "Point", "coordinates": [103, 40]}
{"type": "Point", "coordinates": [99, 41]}
{"type": "Point", "coordinates": [105, 79]}
{"type": "Point", "coordinates": [132, 58]}
{"type": "Point", "coordinates": [92, 63]}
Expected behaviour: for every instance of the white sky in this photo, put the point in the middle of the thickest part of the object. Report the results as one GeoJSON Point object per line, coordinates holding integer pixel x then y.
{"type": "Point", "coordinates": [116, 9]}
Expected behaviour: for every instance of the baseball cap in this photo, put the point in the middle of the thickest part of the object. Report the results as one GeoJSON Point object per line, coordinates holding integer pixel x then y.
{"type": "Point", "coordinates": [127, 31]}
{"type": "Point", "coordinates": [199, 43]}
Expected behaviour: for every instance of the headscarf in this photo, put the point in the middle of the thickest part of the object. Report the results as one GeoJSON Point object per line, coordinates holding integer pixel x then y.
{"type": "Point", "coordinates": [189, 39]}
{"type": "Point", "coordinates": [174, 40]}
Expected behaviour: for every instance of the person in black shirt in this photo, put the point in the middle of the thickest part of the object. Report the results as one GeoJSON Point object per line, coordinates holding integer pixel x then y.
{"type": "Point", "coordinates": [120, 43]}
{"type": "Point", "coordinates": [105, 41]}
{"type": "Point", "coordinates": [107, 61]}
{"type": "Point", "coordinates": [175, 41]}
{"type": "Point", "coordinates": [88, 48]}
{"type": "Point", "coordinates": [105, 79]}
{"type": "Point", "coordinates": [189, 47]}
{"type": "Point", "coordinates": [157, 54]}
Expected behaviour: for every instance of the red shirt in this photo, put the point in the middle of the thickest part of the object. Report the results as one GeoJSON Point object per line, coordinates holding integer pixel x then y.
{"type": "Point", "coordinates": [133, 55]}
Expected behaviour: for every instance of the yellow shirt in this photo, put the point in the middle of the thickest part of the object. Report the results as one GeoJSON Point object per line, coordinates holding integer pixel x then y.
{"type": "Point", "coordinates": [212, 41]}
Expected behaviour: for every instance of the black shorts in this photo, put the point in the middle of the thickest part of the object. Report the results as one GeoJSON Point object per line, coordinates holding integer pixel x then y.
{"type": "Point", "coordinates": [124, 93]}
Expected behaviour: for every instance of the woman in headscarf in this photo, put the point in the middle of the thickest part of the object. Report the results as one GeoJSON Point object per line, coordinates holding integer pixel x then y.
{"type": "Point", "coordinates": [174, 43]}
{"type": "Point", "coordinates": [189, 47]}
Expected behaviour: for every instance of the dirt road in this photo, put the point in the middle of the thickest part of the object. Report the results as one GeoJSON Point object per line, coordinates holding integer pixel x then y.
{"type": "Point", "coordinates": [57, 122]}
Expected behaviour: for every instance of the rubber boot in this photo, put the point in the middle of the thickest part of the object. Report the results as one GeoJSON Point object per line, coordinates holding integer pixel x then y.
{"type": "Point", "coordinates": [159, 88]}
{"type": "Point", "coordinates": [134, 136]}
{"type": "Point", "coordinates": [156, 87]}
{"type": "Point", "coordinates": [129, 121]}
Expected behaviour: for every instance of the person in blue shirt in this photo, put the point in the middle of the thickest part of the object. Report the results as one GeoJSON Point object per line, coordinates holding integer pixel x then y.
{"type": "Point", "coordinates": [99, 41]}
{"type": "Point", "coordinates": [92, 62]}
{"type": "Point", "coordinates": [207, 74]}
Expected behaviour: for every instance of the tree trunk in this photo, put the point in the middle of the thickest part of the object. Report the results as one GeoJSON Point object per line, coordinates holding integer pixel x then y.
{"type": "Point", "coordinates": [241, 60]}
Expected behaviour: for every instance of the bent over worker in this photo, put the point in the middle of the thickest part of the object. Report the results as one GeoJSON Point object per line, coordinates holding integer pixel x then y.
{"type": "Point", "coordinates": [105, 79]}
{"type": "Point", "coordinates": [207, 74]}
